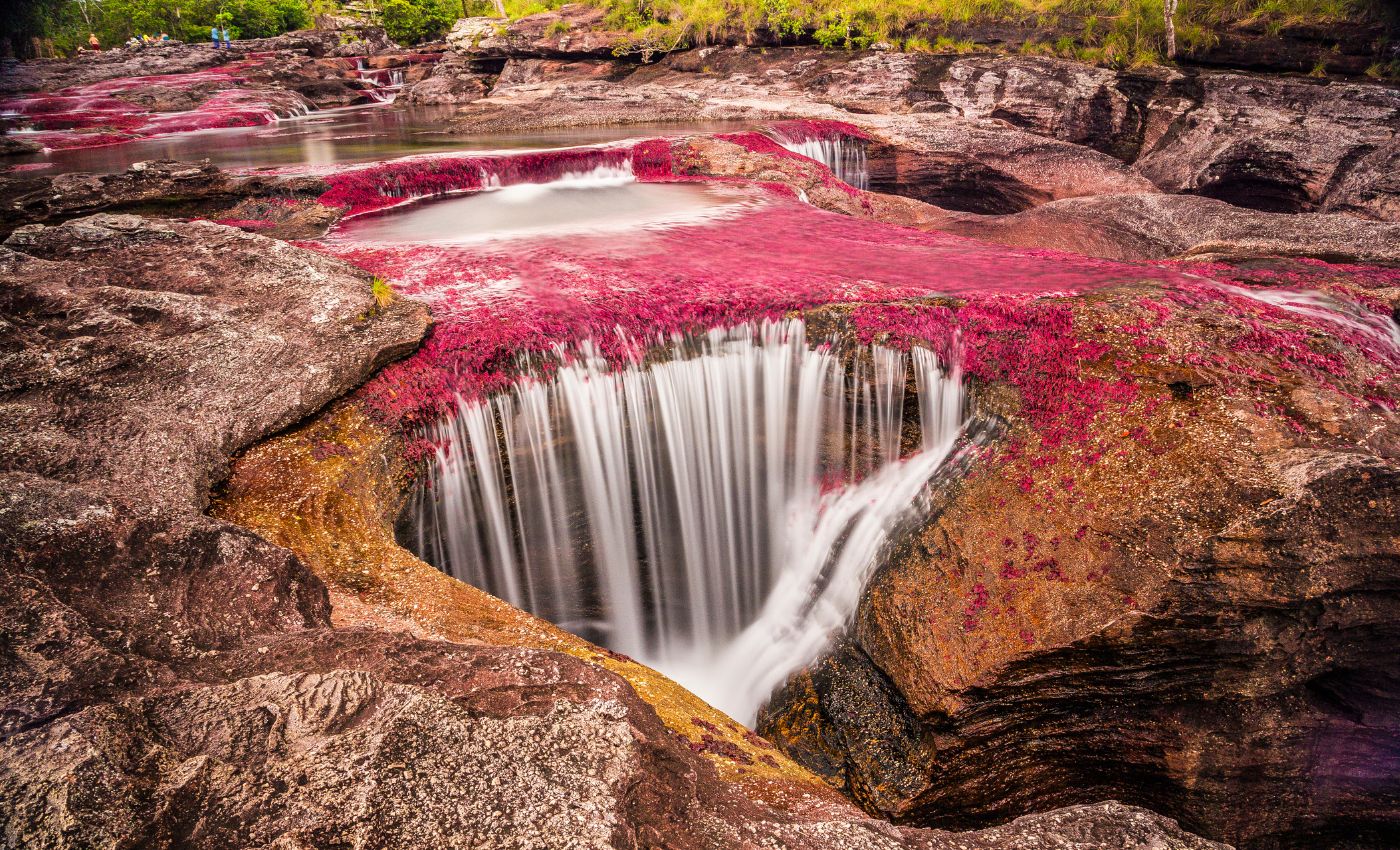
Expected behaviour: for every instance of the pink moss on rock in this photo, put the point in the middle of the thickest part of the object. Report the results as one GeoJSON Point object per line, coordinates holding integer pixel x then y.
{"type": "Point", "coordinates": [1006, 324]}
{"type": "Point", "coordinates": [96, 115]}
{"type": "Point", "coordinates": [805, 129]}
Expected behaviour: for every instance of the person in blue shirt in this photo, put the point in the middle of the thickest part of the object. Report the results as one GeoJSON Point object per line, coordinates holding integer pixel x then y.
{"type": "Point", "coordinates": [224, 33]}
{"type": "Point", "coordinates": [214, 36]}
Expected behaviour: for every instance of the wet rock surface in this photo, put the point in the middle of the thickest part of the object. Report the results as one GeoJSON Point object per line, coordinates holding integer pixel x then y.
{"type": "Point", "coordinates": [127, 94]}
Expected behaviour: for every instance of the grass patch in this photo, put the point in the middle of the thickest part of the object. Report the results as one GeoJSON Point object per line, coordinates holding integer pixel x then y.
{"type": "Point", "coordinates": [1120, 33]}
{"type": "Point", "coordinates": [383, 292]}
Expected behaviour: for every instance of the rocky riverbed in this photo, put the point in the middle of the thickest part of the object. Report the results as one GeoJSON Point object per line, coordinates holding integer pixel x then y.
{"type": "Point", "coordinates": [1163, 591]}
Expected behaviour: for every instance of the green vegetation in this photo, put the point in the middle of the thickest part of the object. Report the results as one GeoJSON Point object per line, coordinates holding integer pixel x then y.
{"type": "Point", "coordinates": [1113, 32]}
{"type": "Point", "coordinates": [1119, 33]}
{"type": "Point", "coordinates": [412, 21]}
{"type": "Point", "coordinates": [68, 22]}
{"type": "Point", "coordinates": [383, 292]}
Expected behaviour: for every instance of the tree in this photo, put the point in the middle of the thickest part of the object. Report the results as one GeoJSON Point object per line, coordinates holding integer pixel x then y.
{"type": "Point", "coordinates": [1168, 15]}
{"type": "Point", "coordinates": [412, 21]}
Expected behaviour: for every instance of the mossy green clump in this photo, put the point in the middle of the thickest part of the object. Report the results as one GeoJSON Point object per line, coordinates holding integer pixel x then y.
{"type": "Point", "coordinates": [383, 292]}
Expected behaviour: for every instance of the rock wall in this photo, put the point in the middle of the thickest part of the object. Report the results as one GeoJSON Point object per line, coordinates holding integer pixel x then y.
{"type": "Point", "coordinates": [1185, 605]}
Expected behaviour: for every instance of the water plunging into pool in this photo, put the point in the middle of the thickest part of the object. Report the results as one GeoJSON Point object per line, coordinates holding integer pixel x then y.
{"type": "Point", "coordinates": [845, 156]}
{"type": "Point", "coordinates": [713, 509]}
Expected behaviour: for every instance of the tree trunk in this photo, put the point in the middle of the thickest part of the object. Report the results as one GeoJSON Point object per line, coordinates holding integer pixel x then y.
{"type": "Point", "coordinates": [1168, 14]}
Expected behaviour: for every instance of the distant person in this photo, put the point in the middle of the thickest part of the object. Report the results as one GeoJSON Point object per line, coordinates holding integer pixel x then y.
{"type": "Point", "coordinates": [164, 37]}
{"type": "Point", "coordinates": [93, 42]}
{"type": "Point", "coordinates": [224, 33]}
{"type": "Point", "coordinates": [214, 36]}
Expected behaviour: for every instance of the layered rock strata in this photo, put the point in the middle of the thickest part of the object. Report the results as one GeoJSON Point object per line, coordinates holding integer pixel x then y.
{"type": "Point", "coordinates": [174, 680]}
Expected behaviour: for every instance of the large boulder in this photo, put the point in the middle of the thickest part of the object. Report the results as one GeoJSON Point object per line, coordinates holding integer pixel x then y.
{"type": "Point", "coordinates": [179, 343]}
{"type": "Point", "coordinates": [574, 30]}
{"type": "Point", "coordinates": [453, 80]}
{"type": "Point", "coordinates": [1082, 104]}
{"type": "Point", "coordinates": [1284, 145]}
{"type": "Point", "coordinates": [1173, 583]}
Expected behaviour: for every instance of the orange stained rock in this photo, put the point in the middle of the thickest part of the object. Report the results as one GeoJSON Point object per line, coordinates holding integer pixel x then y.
{"type": "Point", "coordinates": [329, 491]}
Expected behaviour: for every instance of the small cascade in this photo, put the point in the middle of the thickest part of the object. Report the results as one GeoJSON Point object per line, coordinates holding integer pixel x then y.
{"type": "Point", "coordinates": [1366, 328]}
{"type": "Point", "coordinates": [715, 514]}
{"type": "Point", "coordinates": [385, 83]}
{"type": "Point", "coordinates": [844, 155]}
{"type": "Point", "coordinates": [601, 176]}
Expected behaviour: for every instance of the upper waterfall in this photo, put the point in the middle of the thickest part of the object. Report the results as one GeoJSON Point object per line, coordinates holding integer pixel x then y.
{"type": "Point", "coordinates": [714, 514]}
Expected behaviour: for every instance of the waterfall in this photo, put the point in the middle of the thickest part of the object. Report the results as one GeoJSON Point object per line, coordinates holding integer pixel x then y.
{"type": "Point", "coordinates": [715, 514]}
{"type": "Point", "coordinates": [845, 156]}
{"type": "Point", "coordinates": [601, 176]}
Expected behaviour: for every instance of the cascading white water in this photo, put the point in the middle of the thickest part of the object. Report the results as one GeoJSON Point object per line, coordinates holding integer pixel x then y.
{"type": "Point", "coordinates": [844, 156]}
{"type": "Point", "coordinates": [1381, 331]}
{"type": "Point", "coordinates": [601, 176]}
{"type": "Point", "coordinates": [715, 514]}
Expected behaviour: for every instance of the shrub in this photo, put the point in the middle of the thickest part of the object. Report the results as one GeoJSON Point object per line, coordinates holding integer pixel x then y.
{"type": "Point", "coordinates": [414, 21]}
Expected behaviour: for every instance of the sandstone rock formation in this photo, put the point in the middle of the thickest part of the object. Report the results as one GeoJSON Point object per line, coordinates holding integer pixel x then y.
{"type": "Point", "coordinates": [1000, 134]}
{"type": "Point", "coordinates": [1184, 606]}
{"type": "Point", "coordinates": [572, 30]}
{"type": "Point", "coordinates": [39, 197]}
{"type": "Point", "coordinates": [1277, 144]}
{"type": "Point", "coordinates": [454, 80]}
{"type": "Point", "coordinates": [1158, 226]}
{"type": "Point", "coordinates": [173, 680]}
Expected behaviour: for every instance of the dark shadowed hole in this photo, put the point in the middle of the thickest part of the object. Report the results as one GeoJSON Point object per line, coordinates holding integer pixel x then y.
{"type": "Point", "coordinates": [950, 181]}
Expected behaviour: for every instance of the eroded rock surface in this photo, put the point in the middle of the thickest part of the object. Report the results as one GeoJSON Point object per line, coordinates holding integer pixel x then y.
{"type": "Point", "coordinates": [1000, 134]}
{"type": "Point", "coordinates": [1183, 605]}
{"type": "Point", "coordinates": [173, 680]}
{"type": "Point", "coordinates": [168, 334]}
{"type": "Point", "coordinates": [1159, 226]}
{"type": "Point", "coordinates": [1280, 145]}
{"type": "Point", "coordinates": [572, 30]}
{"type": "Point", "coordinates": [38, 197]}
